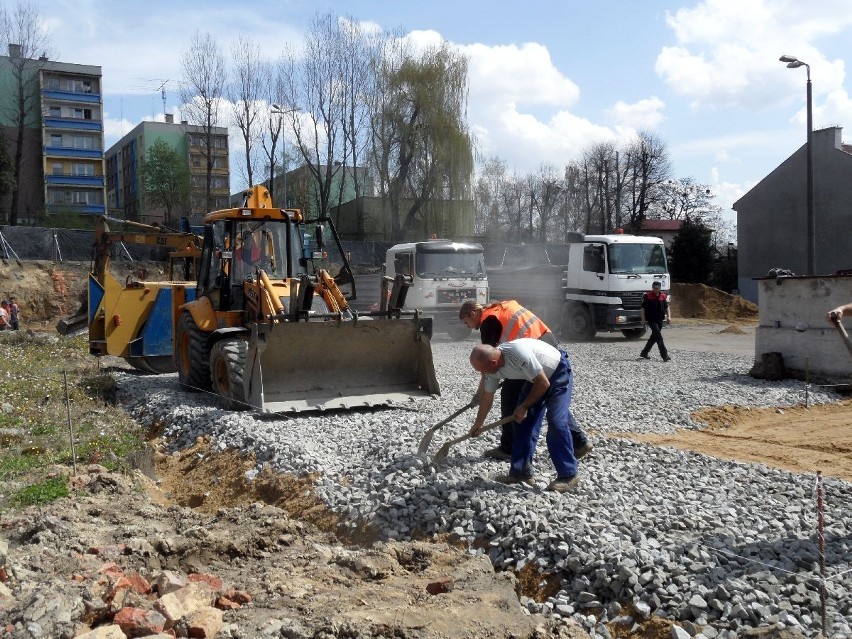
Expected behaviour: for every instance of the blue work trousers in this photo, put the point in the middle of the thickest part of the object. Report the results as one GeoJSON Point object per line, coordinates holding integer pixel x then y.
{"type": "Point", "coordinates": [556, 403]}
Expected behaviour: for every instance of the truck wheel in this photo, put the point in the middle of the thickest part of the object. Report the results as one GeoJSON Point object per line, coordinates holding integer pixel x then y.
{"type": "Point", "coordinates": [634, 333]}
{"type": "Point", "coordinates": [458, 333]}
{"type": "Point", "coordinates": [577, 324]}
{"type": "Point", "coordinates": [227, 366]}
{"type": "Point", "coordinates": [192, 355]}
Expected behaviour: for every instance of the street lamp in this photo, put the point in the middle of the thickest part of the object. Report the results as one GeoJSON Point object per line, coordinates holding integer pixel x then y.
{"type": "Point", "coordinates": [280, 112]}
{"type": "Point", "coordinates": [795, 63]}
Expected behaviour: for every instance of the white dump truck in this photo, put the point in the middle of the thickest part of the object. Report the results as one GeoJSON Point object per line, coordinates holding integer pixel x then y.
{"type": "Point", "coordinates": [444, 274]}
{"type": "Point", "coordinates": [594, 283]}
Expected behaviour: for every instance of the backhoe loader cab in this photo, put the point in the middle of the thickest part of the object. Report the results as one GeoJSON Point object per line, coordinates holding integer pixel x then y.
{"type": "Point", "coordinates": [271, 328]}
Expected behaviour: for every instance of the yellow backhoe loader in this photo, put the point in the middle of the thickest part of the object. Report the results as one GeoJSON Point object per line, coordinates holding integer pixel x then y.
{"type": "Point", "coordinates": [268, 326]}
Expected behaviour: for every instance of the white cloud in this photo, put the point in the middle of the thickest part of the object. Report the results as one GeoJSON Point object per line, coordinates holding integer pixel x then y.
{"type": "Point", "coordinates": [644, 114]}
{"type": "Point", "coordinates": [727, 50]}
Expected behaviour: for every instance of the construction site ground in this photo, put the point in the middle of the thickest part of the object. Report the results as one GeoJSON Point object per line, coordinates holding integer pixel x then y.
{"type": "Point", "coordinates": [316, 576]}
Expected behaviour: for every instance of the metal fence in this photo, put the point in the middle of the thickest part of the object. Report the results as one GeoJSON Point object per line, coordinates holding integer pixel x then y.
{"type": "Point", "coordinates": [61, 245]}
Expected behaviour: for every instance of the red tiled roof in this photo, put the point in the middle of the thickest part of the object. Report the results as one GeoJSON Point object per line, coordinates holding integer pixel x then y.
{"type": "Point", "coordinates": [661, 225]}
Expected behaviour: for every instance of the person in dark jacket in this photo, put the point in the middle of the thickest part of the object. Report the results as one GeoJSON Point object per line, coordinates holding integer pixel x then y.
{"type": "Point", "coordinates": [655, 311]}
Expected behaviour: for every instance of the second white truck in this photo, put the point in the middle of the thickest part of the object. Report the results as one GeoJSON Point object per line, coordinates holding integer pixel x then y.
{"type": "Point", "coordinates": [594, 286]}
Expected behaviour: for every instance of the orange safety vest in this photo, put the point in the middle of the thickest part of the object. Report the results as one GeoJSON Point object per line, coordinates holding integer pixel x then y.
{"type": "Point", "coordinates": [516, 321]}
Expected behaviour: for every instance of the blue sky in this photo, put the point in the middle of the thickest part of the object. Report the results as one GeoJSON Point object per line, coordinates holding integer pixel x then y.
{"type": "Point", "coordinates": [547, 79]}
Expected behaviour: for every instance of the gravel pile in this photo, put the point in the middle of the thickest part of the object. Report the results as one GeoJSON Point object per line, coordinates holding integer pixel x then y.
{"type": "Point", "coordinates": [711, 544]}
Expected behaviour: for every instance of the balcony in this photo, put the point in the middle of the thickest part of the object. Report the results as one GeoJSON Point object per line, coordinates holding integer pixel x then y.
{"type": "Point", "coordinates": [75, 180]}
{"type": "Point", "coordinates": [70, 152]}
{"type": "Point", "coordinates": [77, 124]}
{"type": "Point", "coordinates": [71, 96]}
{"type": "Point", "coordinates": [83, 209]}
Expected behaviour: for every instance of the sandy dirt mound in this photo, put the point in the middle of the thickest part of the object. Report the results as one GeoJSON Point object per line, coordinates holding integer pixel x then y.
{"type": "Point", "coordinates": [803, 440]}
{"type": "Point", "coordinates": [697, 301]}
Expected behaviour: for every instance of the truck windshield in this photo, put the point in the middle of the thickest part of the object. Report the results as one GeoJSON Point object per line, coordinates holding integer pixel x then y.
{"type": "Point", "coordinates": [637, 258]}
{"type": "Point", "coordinates": [449, 265]}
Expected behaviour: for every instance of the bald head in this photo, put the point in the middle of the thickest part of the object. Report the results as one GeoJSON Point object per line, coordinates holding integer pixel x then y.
{"type": "Point", "coordinates": [485, 358]}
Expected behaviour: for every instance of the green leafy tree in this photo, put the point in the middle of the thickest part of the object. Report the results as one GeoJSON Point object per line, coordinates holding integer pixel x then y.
{"type": "Point", "coordinates": [165, 180]}
{"type": "Point", "coordinates": [691, 253]}
{"type": "Point", "coordinates": [422, 149]}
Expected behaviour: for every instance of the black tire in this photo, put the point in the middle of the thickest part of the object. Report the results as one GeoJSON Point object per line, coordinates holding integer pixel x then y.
{"type": "Point", "coordinates": [459, 332]}
{"type": "Point", "coordinates": [192, 355]}
{"type": "Point", "coordinates": [577, 324]}
{"type": "Point", "coordinates": [634, 333]}
{"type": "Point", "coordinates": [227, 368]}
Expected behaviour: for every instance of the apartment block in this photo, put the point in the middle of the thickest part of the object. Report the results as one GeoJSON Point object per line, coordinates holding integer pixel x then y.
{"type": "Point", "coordinates": [62, 168]}
{"type": "Point", "coordinates": [125, 161]}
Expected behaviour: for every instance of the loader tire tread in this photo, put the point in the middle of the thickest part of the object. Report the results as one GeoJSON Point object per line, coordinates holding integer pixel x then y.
{"type": "Point", "coordinates": [227, 367]}
{"type": "Point", "coordinates": [192, 355]}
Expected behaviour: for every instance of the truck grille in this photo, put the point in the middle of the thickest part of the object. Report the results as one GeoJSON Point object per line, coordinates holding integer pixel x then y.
{"type": "Point", "coordinates": [455, 295]}
{"type": "Point", "coordinates": [631, 299]}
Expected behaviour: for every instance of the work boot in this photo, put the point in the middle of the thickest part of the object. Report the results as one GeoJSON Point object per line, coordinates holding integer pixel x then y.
{"type": "Point", "coordinates": [564, 484]}
{"type": "Point", "coordinates": [644, 356]}
{"type": "Point", "coordinates": [512, 480]}
{"type": "Point", "coordinates": [498, 454]}
{"type": "Point", "coordinates": [582, 448]}
{"type": "Point", "coordinates": [666, 358]}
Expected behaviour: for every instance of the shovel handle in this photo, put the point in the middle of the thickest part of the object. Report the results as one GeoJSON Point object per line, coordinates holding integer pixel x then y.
{"type": "Point", "coordinates": [487, 427]}
{"type": "Point", "coordinates": [835, 318]}
{"type": "Point", "coordinates": [443, 422]}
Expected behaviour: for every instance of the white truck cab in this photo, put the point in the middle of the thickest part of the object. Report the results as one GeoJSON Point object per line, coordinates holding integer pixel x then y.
{"type": "Point", "coordinates": [605, 279]}
{"type": "Point", "coordinates": [445, 274]}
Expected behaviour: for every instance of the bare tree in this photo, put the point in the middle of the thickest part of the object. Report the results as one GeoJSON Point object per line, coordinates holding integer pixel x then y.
{"type": "Point", "coordinates": [314, 83]}
{"type": "Point", "coordinates": [245, 93]}
{"type": "Point", "coordinates": [21, 34]}
{"type": "Point", "coordinates": [273, 93]}
{"type": "Point", "coordinates": [649, 167]}
{"type": "Point", "coordinates": [358, 49]}
{"type": "Point", "coordinates": [204, 76]}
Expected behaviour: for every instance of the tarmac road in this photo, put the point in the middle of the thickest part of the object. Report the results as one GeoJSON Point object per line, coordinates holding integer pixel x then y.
{"type": "Point", "coordinates": [690, 335]}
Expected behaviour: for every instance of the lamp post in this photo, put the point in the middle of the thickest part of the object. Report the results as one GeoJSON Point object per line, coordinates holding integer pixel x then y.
{"type": "Point", "coordinates": [277, 110]}
{"type": "Point", "coordinates": [795, 63]}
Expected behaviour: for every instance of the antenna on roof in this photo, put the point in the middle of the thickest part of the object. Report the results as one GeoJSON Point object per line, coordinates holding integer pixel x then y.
{"type": "Point", "coordinates": [162, 90]}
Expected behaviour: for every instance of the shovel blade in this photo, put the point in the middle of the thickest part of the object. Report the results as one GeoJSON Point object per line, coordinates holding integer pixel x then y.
{"type": "Point", "coordinates": [426, 441]}
{"type": "Point", "coordinates": [442, 453]}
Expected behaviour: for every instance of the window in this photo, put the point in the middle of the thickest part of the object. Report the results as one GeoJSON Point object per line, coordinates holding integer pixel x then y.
{"type": "Point", "coordinates": [82, 142]}
{"type": "Point", "coordinates": [55, 140]}
{"type": "Point", "coordinates": [57, 168]}
{"type": "Point", "coordinates": [83, 169]}
{"type": "Point", "coordinates": [53, 84]}
{"type": "Point", "coordinates": [593, 258]}
{"type": "Point", "coordinates": [55, 112]}
{"type": "Point", "coordinates": [83, 114]}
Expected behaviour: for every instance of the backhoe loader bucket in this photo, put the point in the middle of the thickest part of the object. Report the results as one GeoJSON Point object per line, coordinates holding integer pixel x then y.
{"type": "Point", "coordinates": [302, 366]}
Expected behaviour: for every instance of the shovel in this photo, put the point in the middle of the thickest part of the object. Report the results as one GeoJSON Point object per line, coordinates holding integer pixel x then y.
{"type": "Point", "coordinates": [444, 450]}
{"type": "Point", "coordinates": [427, 438]}
{"type": "Point", "coordinates": [843, 333]}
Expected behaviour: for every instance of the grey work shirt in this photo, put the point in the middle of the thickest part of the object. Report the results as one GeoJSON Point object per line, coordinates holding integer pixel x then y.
{"type": "Point", "coordinates": [523, 358]}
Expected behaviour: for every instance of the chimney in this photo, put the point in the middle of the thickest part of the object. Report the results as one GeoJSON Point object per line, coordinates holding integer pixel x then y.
{"type": "Point", "coordinates": [14, 50]}
{"type": "Point", "coordinates": [170, 118]}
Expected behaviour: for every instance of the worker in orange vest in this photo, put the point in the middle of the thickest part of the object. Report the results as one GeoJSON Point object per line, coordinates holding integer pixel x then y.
{"type": "Point", "coordinates": [501, 322]}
